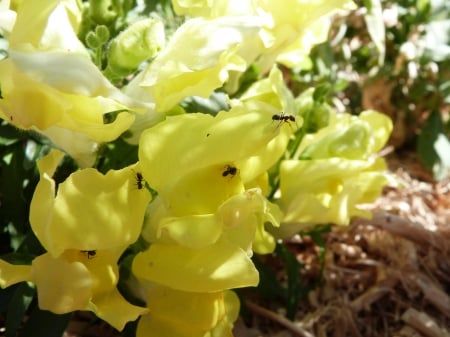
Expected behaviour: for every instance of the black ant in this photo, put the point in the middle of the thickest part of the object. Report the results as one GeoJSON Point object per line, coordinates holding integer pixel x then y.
{"type": "Point", "coordinates": [282, 117]}
{"type": "Point", "coordinates": [229, 170]}
{"type": "Point", "coordinates": [90, 253]}
{"type": "Point", "coordinates": [139, 181]}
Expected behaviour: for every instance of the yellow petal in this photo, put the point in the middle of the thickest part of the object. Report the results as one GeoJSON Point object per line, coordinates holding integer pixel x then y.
{"type": "Point", "coordinates": [41, 212]}
{"type": "Point", "coordinates": [90, 211]}
{"type": "Point", "coordinates": [193, 231]}
{"type": "Point", "coordinates": [212, 268]}
{"type": "Point", "coordinates": [54, 26]}
{"type": "Point", "coordinates": [200, 311]}
{"type": "Point", "coordinates": [381, 127]}
{"type": "Point", "coordinates": [62, 286]}
{"type": "Point", "coordinates": [204, 142]}
{"type": "Point", "coordinates": [114, 309]}
{"type": "Point", "coordinates": [327, 191]}
{"type": "Point", "coordinates": [182, 314]}
{"type": "Point", "coordinates": [204, 64]}
{"type": "Point", "coordinates": [245, 216]}
{"type": "Point", "coordinates": [203, 190]}
{"type": "Point", "coordinates": [11, 273]}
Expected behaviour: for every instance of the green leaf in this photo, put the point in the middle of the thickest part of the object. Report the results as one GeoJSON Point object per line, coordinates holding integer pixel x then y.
{"type": "Point", "coordinates": [295, 287]}
{"type": "Point", "coordinates": [117, 155]}
{"type": "Point", "coordinates": [247, 79]}
{"type": "Point", "coordinates": [442, 147]}
{"type": "Point", "coordinates": [6, 295]}
{"type": "Point", "coordinates": [212, 105]}
{"type": "Point", "coordinates": [17, 182]}
{"type": "Point", "coordinates": [323, 58]}
{"type": "Point", "coordinates": [18, 307]}
{"type": "Point", "coordinates": [9, 134]}
{"type": "Point", "coordinates": [375, 26]}
{"type": "Point", "coordinates": [434, 146]}
{"type": "Point", "coordinates": [316, 235]}
{"type": "Point", "coordinates": [269, 287]}
{"type": "Point", "coordinates": [321, 92]}
{"type": "Point", "coordinates": [42, 323]}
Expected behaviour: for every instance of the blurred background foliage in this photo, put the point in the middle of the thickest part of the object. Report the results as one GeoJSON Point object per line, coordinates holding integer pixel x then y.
{"type": "Point", "coordinates": [390, 56]}
{"type": "Point", "coordinates": [406, 76]}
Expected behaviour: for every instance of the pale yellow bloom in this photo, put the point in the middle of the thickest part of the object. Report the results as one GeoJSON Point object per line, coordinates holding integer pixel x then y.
{"type": "Point", "coordinates": [183, 314]}
{"type": "Point", "coordinates": [76, 281]}
{"type": "Point", "coordinates": [337, 173]}
{"type": "Point", "coordinates": [289, 27]}
{"type": "Point", "coordinates": [85, 225]}
{"type": "Point", "coordinates": [197, 59]}
{"type": "Point", "coordinates": [49, 84]}
{"type": "Point", "coordinates": [89, 211]}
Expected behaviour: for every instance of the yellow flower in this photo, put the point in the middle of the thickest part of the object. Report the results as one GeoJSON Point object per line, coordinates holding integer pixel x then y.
{"type": "Point", "coordinates": [89, 211]}
{"type": "Point", "coordinates": [327, 191]}
{"type": "Point", "coordinates": [206, 223]}
{"type": "Point", "coordinates": [217, 267]}
{"type": "Point", "coordinates": [74, 122]}
{"type": "Point", "coordinates": [141, 41]}
{"type": "Point", "coordinates": [186, 155]}
{"type": "Point", "coordinates": [240, 218]}
{"type": "Point", "coordinates": [209, 251]}
{"type": "Point", "coordinates": [289, 27]}
{"type": "Point", "coordinates": [183, 314]}
{"type": "Point", "coordinates": [273, 90]}
{"type": "Point", "coordinates": [50, 85]}
{"type": "Point", "coordinates": [346, 136]}
{"type": "Point", "coordinates": [76, 280]}
{"type": "Point", "coordinates": [54, 26]}
{"type": "Point", "coordinates": [213, 8]}
{"type": "Point", "coordinates": [336, 174]}
{"type": "Point", "coordinates": [85, 226]}
{"type": "Point", "coordinates": [287, 21]}
{"type": "Point", "coordinates": [209, 51]}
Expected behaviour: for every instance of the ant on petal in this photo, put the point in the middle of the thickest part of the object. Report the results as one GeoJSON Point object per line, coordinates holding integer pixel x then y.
{"type": "Point", "coordinates": [90, 253]}
{"type": "Point", "coordinates": [139, 181]}
{"type": "Point", "coordinates": [229, 170]}
{"type": "Point", "coordinates": [283, 118]}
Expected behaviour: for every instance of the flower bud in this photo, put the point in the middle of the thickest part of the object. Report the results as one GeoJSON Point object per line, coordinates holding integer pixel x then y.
{"type": "Point", "coordinates": [139, 42]}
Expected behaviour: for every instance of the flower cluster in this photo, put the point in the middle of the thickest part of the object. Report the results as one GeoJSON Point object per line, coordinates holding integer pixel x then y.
{"type": "Point", "coordinates": [224, 185]}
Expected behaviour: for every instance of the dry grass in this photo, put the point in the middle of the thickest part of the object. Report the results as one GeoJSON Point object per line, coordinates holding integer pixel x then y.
{"type": "Point", "coordinates": [388, 276]}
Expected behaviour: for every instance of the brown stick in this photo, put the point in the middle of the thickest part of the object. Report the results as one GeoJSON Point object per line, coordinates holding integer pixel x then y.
{"type": "Point", "coordinates": [291, 326]}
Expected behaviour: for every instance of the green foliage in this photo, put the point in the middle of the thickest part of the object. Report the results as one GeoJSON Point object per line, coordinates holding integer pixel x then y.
{"type": "Point", "coordinates": [18, 308]}
{"type": "Point", "coordinates": [43, 323]}
{"type": "Point", "coordinates": [18, 153]}
{"type": "Point", "coordinates": [434, 146]}
{"type": "Point", "coordinates": [394, 50]}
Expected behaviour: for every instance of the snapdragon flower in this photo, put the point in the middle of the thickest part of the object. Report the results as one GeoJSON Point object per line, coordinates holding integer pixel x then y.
{"type": "Point", "coordinates": [85, 226]}
{"type": "Point", "coordinates": [182, 314]}
{"type": "Point", "coordinates": [207, 222]}
{"type": "Point", "coordinates": [335, 171]}
{"type": "Point", "coordinates": [210, 51]}
{"type": "Point", "coordinates": [50, 85]}
{"type": "Point", "coordinates": [209, 217]}
{"type": "Point", "coordinates": [289, 27]}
